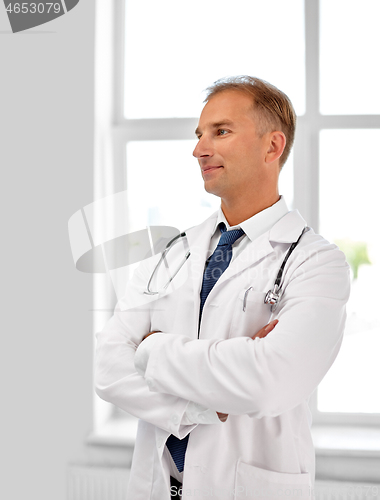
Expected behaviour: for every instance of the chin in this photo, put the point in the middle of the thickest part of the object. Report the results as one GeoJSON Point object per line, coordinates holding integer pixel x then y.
{"type": "Point", "coordinates": [212, 189]}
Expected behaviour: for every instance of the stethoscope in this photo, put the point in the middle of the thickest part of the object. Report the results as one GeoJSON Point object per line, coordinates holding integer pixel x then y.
{"type": "Point", "coordinates": [169, 245]}
{"type": "Point", "coordinates": [272, 297]}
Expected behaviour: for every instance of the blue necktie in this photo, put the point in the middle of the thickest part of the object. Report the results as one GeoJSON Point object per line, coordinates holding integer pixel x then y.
{"type": "Point", "coordinates": [216, 265]}
{"type": "Point", "coordinates": [218, 262]}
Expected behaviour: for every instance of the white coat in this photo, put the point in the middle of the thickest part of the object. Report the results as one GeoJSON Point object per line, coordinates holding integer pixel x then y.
{"type": "Point", "coordinates": [264, 450]}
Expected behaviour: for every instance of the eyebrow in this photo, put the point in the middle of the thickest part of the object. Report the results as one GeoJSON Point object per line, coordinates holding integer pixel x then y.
{"type": "Point", "coordinates": [215, 125]}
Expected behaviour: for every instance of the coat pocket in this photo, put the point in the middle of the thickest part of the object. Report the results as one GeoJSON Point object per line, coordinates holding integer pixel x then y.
{"type": "Point", "coordinates": [250, 315]}
{"type": "Point", "coordinates": [261, 484]}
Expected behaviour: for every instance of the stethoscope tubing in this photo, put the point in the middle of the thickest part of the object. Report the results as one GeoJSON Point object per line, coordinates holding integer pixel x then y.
{"type": "Point", "coordinates": [164, 253]}
{"type": "Point", "coordinates": [272, 297]}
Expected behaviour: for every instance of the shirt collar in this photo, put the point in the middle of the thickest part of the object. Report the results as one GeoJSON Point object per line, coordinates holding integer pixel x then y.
{"type": "Point", "coordinates": [258, 223]}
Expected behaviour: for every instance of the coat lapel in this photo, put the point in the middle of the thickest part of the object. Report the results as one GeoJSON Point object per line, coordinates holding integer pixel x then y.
{"type": "Point", "coordinates": [198, 239]}
{"type": "Point", "coordinates": [286, 230]}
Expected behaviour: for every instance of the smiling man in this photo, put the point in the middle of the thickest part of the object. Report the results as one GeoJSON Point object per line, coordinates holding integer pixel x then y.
{"type": "Point", "coordinates": [219, 370]}
{"type": "Point", "coordinates": [236, 138]}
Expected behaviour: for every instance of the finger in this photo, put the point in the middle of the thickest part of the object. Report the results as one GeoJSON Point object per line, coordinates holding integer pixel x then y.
{"type": "Point", "coordinates": [271, 325]}
{"type": "Point", "coordinates": [267, 329]}
{"type": "Point", "coordinates": [151, 333]}
{"type": "Point", "coordinates": [222, 416]}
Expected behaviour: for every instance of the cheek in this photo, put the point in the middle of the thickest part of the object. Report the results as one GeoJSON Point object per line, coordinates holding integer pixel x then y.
{"type": "Point", "coordinates": [244, 158]}
{"type": "Point", "coordinates": [249, 157]}
{"type": "Point", "coordinates": [255, 154]}
{"type": "Point", "coordinates": [241, 155]}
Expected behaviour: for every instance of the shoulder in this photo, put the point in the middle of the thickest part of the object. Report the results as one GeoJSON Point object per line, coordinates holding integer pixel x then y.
{"type": "Point", "coordinates": [311, 246]}
{"type": "Point", "coordinates": [316, 248]}
{"type": "Point", "coordinates": [320, 268]}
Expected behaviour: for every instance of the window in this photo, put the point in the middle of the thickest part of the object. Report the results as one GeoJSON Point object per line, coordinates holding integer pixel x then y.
{"type": "Point", "coordinates": [348, 217]}
{"type": "Point", "coordinates": [347, 122]}
{"type": "Point", "coordinates": [181, 48]}
{"type": "Point", "coordinates": [322, 54]}
{"type": "Point", "coordinates": [168, 61]}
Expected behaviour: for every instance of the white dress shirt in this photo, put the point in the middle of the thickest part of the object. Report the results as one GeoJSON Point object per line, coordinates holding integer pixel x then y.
{"type": "Point", "coordinates": [252, 227]}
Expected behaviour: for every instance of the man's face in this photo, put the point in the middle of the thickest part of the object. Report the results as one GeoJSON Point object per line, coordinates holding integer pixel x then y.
{"type": "Point", "coordinates": [229, 151]}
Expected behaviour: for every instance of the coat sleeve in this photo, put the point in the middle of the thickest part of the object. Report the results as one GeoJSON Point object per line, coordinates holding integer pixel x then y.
{"type": "Point", "coordinates": [116, 379]}
{"type": "Point", "coordinates": [268, 376]}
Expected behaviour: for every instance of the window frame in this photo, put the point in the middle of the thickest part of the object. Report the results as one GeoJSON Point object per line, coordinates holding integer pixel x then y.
{"type": "Point", "coordinates": [114, 131]}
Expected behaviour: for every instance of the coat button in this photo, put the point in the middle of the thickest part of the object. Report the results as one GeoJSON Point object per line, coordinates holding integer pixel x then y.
{"type": "Point", "coordinates": [149, 382]}
{"type": "Point", "coordinates": [175, 419]}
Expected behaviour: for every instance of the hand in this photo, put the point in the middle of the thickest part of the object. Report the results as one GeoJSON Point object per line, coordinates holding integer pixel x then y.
{"type": "Point", "coordinates": [222, 416]}
{"type": "Point", "coordinates": [266, 329]}
{"type": "Point", "coordinates": [150, 333]}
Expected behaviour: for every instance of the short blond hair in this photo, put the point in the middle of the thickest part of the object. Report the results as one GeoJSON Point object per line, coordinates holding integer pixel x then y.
{"type": "Point", "coordinates": [273, 107]}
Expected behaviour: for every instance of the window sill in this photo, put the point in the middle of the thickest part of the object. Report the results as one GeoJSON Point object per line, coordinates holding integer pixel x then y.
{"type": "Point", "coordinates": [115, 432]}
{"type": "Point", "coordinates": [347, 453]}
{"type": "Point", "coordinates": [343, 453]}
{"type": "Point", "coordinates": [348, 440]}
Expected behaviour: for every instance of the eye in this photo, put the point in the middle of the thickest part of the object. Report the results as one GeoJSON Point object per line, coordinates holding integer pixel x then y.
{"type": "Point", "coordinates": [222, 131]}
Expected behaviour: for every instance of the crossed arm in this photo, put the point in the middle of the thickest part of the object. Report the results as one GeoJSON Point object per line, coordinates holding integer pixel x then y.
{"type": "Point", "coordinates": [260, 334]}
{"type": "Point", "coordinates": [263, 332]}
{"type": "Point", "coordinates": [233, 376]}
{"type": "Point", "coordinates": [117, 381]}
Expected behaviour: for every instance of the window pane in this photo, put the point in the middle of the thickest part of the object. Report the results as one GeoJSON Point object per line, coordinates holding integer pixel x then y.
{"type": "Point", "coordinates": [349, 55]}
{"type": "Point", "coordinates": [349, 216]}
{"type": "Point", "coordinates": [165, 185]}
{"type": "Point", "coordinates": [286, 181]}
{"type": "Point", "coordinates": [174, 50]}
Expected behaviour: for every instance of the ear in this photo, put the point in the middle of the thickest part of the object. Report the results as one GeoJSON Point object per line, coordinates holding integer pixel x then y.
{"type": "Point", "coordinates": [277, 141]}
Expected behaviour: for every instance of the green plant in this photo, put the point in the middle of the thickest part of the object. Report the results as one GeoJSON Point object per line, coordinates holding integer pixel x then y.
{"type": "Point", "coordinates": [356, 253]}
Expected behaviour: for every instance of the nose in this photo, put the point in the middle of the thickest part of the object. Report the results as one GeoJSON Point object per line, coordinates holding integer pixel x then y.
{"type": "Point", "coordinates": [203, 148]}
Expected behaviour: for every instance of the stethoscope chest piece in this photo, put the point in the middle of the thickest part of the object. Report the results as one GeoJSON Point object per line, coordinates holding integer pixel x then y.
{"type": "Point", "coordinates": [273, 297]}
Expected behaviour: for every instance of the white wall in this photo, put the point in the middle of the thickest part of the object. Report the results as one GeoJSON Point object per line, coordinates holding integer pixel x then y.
{"type": "Point", "coordinates": [46, 158]}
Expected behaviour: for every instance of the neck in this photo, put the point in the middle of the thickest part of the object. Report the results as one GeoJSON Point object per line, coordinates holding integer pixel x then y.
{"type": "Point", "coordinates": [241, 209]}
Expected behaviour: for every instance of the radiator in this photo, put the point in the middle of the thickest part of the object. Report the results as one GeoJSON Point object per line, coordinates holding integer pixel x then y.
{"type": "Point", "coordinates": [92, 482]}
{"type": "Point", "coordinates": [110, 483]}
{"type": "Point", "coordinates": [334, 490]}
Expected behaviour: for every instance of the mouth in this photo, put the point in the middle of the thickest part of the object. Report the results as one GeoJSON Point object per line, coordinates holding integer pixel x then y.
{"type": "Point", "coordinates": [210, 168]}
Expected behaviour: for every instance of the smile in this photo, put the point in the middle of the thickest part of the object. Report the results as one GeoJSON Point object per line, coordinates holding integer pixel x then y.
{"type": "Point", "coordinates": [209, 169]}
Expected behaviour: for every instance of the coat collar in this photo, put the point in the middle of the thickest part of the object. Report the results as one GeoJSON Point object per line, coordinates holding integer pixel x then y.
{"type": "Point", "coordinates": [198, 238]}
{"type": "Point", "coordinates": [260, 222]}
{"type": "Point", "coordinates": [286, 230]}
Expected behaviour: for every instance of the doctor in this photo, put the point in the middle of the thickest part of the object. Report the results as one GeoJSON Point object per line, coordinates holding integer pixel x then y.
{"type": "Point", "coordinates": [219, 381]}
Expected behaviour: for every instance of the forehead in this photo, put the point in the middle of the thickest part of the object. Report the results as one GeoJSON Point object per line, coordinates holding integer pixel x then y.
{"type": "Point", "coordinates": [231, 105]}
